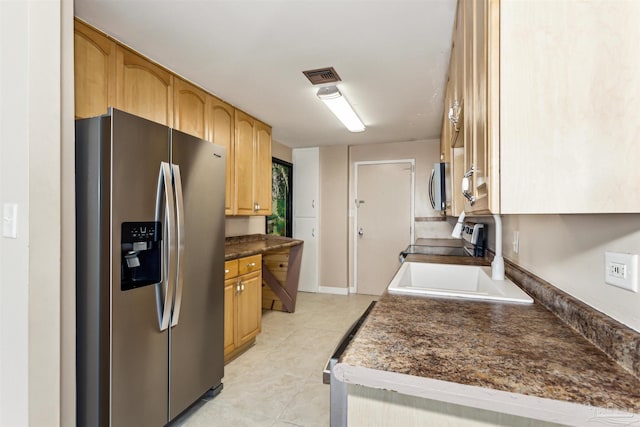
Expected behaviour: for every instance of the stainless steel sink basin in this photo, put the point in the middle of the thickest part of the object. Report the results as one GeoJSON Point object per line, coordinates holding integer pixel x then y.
{"type": "Point", "coordinates": [455, 281]}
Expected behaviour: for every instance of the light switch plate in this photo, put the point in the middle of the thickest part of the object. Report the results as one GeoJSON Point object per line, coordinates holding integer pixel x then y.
{"type": "Point", "coordinates": [10, 220]}
{"type": "Point", "coordinates": [621, 270]}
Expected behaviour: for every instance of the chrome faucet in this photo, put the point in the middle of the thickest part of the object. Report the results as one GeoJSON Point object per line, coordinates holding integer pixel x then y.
{"type": "Point", "coordinates": [457, 230]}
{"type": "Point", "coordinates": [497, 266]}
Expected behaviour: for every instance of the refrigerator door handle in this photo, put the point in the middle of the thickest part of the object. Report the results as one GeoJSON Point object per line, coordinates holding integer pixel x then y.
{"type": "Point", "coordinates": [177, 183]}
{"type": "Point", "coordinates": [165, 289]}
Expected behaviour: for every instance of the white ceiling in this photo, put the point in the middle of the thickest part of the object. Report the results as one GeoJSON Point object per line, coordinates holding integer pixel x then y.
{"type": "Point", "coordinates": [392, 56]}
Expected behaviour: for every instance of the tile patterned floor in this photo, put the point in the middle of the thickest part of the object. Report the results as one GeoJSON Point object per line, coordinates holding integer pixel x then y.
{"type": "Point", "coordinates": [278, 382]}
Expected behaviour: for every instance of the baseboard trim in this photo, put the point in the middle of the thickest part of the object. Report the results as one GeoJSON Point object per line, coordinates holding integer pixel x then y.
{"type": "Point", "coordinates": [352, 289]}
{"type": "Point", "coordinates": [333, 290]}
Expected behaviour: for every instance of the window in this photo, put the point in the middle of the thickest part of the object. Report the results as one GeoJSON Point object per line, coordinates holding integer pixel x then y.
{"type": "Point", "coordinates": [280, 221]}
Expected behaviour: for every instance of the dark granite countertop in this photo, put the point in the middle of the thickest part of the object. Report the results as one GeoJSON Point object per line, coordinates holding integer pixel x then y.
{"type": "Point", "coordinates": [253, 244]}
{"type": "Point", "coordinates": [520, 349]}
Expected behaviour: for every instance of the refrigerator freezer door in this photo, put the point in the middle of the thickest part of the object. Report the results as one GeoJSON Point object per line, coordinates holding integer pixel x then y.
{"type": "Point", "coordinates": [139, 356]}
{"type": "Point", "coordinates": [196, 361]}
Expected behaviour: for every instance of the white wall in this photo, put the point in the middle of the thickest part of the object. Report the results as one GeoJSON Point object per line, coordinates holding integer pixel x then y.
{"type": "Point", "coordinates": [333, 247]}
{"type": "Point", "coordinates": [14, 187]}
{"type": "Point", "coordinates": [568, 251]}
{"type": "Point", "coordinates": [30, 129]}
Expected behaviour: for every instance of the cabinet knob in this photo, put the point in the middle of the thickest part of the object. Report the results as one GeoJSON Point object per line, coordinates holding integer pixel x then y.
{"type": "Point", "coordinates": [242, 287]}
{"type": "Point", "coordinates": [226, 271]}
{"type": "Point", "coordinates": [251, 264]}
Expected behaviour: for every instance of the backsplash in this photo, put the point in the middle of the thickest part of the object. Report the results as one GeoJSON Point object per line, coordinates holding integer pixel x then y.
{"type": "Point", "coordinates": [618, 341]}
{"type": "Point", "coordinates": [432, 228]}
{"type": "Point", "coordinates": [243, 225]}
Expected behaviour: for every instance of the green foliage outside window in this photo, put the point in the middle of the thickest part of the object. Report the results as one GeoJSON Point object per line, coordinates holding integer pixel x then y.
{"type": "Point", "coordinates": [279, 223]}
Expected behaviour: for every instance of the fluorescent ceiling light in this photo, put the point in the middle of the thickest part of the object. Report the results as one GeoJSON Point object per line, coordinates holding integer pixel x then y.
{"type": "Point", "coordinates": [339, 106]}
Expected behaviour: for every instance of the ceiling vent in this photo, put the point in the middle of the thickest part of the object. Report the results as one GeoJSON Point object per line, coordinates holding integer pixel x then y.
{"type": "Point", "coordinates": [322, 76]}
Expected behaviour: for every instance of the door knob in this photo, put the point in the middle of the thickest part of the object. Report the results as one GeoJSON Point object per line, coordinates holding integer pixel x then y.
{"type": "Point", "coordinates": [361, 232]}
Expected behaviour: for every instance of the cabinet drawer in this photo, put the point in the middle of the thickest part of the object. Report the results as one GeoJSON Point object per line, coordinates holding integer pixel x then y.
{"type": "Point", "coordinates": [249, 264]}
{"type": "Point", "coordinates": [230, 269]}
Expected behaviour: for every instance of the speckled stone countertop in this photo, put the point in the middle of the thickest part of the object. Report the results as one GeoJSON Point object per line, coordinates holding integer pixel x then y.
{"type": "Point", "coordinates": [483, 349]}
{"type": "Point", "coordinates": [252, 244]}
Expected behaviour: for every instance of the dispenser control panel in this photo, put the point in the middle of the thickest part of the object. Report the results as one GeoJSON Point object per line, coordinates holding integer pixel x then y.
{"type": "Point", "coordinates": [141, 249]}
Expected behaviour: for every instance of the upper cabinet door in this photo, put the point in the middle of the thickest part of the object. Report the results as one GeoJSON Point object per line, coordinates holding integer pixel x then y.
{"type": "Point", "coordinates": [262, 166]}
{"type": "Point", "coordinates": [94, 68]}
{"type": "Point", "coordinates": [457, 76]}
{"type": "Point", "coordinates": [190, 108]}
{"type": "Point", "coordinates": [475, 128]}
{"type": "Point", "coordinates": [245, 128]}
{"type": "Point", "coordinates": [143, 88]}
{"type": "Point", "coordinates": [221, 131]}
{"type": "Point", "coordinates": [306, 182]}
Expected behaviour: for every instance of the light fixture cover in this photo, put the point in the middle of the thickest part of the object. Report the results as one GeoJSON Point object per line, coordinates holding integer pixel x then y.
{"type": "Point", "coordinates": [339, 106]}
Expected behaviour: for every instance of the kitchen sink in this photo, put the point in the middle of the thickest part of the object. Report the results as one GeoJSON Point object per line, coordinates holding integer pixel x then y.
{"type": "Point", "coordinates": [455, 281]}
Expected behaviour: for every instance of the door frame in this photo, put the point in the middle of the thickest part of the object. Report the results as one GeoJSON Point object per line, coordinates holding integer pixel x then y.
{"type": "Point", "coordinates": [412, 162]}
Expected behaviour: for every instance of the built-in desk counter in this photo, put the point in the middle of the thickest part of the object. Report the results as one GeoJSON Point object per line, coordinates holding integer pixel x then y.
{"type": "Point", "coordinates": [253, 244]}
{"type": "Point", "coordinates": [281, 257]}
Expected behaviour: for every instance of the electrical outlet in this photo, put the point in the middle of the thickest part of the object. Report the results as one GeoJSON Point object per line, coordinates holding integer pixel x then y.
{"type": "Point", "coordinates": [621, 270]}
{"type": "Point", "coordinates": [516, 242]}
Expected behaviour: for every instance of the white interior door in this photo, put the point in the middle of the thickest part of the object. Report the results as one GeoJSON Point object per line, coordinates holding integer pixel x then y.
{"type": "Point", "coordinates": [384, 222]}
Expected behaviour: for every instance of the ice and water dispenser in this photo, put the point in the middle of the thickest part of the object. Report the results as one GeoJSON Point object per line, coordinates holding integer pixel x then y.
{"type": "Point", "coordinates": [141, 249]}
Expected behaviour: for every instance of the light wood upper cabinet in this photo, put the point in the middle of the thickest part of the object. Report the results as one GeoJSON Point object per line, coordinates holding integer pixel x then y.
{"type": "Point", "coordinates": [548, 126]}
{"type": "Point", "coordinates": [244, 154]}
{"type": "Point", "coordinates": [110, 74]}
{"type": "Point", "coordinates": [262, 165]}
{"type": "Point", "coordinates": [221, 131]}
{"type": "Point", "coordinates": [452, 138]}
{"type": "Point", "coordinates": [190, 108]}
{"type": "Point", "coordinates": [94, 68]}
{"type": "Point", "coordinates": [143, 88]}
{"type": "Point", "coordinates": [475, 120]}
{"type": "Point", "coordinates": [455, 108]}
{"type": "Point", "coordinates": [252, 166]}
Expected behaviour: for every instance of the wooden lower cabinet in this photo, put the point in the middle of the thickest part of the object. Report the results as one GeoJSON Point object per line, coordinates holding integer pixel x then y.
{"type": "Point", "coordinates": [249, 301]}
{"type": "Point", "coordinates": [229, 315]}
{"type": "Point", "coordinates": [242, 304]}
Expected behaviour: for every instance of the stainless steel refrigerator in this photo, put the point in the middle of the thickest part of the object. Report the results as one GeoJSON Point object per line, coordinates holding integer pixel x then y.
{"type": "Point", "coordinates": [150, 270]}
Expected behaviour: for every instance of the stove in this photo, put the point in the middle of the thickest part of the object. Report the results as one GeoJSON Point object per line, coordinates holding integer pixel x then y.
{"type": "Point", "coordinates": [471, 244]}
